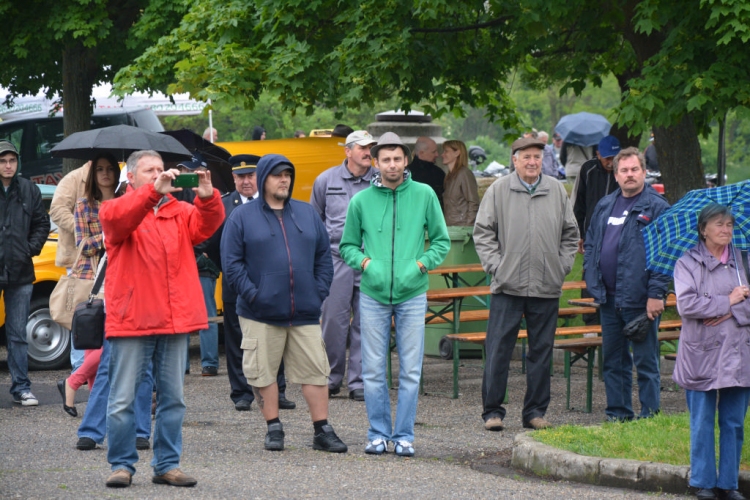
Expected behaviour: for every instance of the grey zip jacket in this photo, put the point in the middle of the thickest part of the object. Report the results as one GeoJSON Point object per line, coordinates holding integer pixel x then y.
{"type": "Point", "coordinates": [527, 242]}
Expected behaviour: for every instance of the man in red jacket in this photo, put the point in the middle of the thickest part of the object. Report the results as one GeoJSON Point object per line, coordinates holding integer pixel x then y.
{"type": "Point", "coordinates": [154, 300]}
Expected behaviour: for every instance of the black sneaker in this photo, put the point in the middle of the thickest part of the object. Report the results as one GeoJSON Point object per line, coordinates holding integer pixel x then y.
{"type": "Point", "coordinates": [85, 443]}
{"type": "Point", "coordinates": [209, 371]}
{"type": "Point", "coordinates": [275, 437]}
{"type": "Point", "coordinates": [328, 441]}
{"type": "Point", "coordinates": [242, 405]}
{"type": "Point", "coordinates": [142, 443]}
{"type": "Point", "coordinates": [333, 391]}
{"type": "Point", "coordinates": [285, 404]}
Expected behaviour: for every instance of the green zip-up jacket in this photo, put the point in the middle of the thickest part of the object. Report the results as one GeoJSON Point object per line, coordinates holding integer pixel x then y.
{"type": "Point", "coordinates": [389, 225]}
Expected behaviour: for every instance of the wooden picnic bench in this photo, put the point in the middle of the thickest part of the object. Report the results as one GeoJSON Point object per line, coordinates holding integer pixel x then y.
{"type": "Point", "coordinates": [585, 349]}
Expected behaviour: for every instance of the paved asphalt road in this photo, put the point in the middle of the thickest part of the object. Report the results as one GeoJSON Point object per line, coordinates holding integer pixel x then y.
{"type": "Point", "coordinates": [223, 448]}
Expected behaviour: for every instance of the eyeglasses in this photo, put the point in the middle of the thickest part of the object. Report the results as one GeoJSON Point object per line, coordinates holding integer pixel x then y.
{"type": "Point", "coordinates": [12, 161]}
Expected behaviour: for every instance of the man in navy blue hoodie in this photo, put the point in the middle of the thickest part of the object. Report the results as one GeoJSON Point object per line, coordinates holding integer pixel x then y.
{"type": "Point", "coordinates": [276, 255]}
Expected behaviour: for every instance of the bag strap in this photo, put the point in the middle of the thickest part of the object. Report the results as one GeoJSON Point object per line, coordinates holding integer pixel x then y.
{"type": "Point", "coordinates": [99, 278]}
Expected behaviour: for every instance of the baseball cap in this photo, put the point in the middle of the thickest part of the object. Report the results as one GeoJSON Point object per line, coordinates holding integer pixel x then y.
{"type": "Point", "coordinates": [360, 137]}
{"type": "Point", "coordinates": [280, 168]}
{"type": "Point", "coordinates": [195, 162]}
{"type": "Point", "coordinates": [609, 146]}
{"type": "Point", "coordinates": [8, 147]}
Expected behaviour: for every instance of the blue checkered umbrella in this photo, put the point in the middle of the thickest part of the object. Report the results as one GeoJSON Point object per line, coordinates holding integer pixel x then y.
{"type": "Point", "coordinates": [676, 230]}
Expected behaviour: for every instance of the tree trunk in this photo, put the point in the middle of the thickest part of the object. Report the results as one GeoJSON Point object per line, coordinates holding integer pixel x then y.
{"type": "Point", "coordinates": [680, 161]}
{"type": "Point", "coordinates": [79, 67]}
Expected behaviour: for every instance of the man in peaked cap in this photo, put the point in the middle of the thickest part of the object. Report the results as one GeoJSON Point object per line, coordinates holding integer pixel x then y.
{"type": "Point", "coordinates": [526, 238]}
{"type": "Point", "coordinates": [331, 193]}
{"type": "Point", "coordinates": [246, 189]}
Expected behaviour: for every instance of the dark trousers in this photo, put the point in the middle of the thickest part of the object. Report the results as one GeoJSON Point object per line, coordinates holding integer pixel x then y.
{"type": "Point", "coordinates": [232, 341]}
{"type": "Point", "coordinates": [502, 333]}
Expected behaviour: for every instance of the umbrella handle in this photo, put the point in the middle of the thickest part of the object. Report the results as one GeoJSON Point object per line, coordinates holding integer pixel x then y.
{"type": "Point", "coordinates": [736, 264]}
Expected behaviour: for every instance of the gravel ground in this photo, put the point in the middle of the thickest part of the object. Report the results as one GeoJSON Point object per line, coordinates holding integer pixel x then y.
{"type": "Point", "coordinates": [223, 448]}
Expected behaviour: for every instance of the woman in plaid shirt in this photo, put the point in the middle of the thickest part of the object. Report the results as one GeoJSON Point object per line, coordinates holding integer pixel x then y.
{"type": "Point", "coordinates": [100, 187]}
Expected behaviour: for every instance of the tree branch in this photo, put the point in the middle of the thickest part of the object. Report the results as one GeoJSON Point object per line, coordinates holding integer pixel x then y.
{"type": "Point", "coordinates": [457, 29]}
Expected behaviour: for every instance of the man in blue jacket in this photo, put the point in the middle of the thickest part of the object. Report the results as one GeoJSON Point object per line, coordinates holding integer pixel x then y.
{"type": "Point", "coordinates": [616, 276]}
{"type": "Point", "coordinates": [277, 258]}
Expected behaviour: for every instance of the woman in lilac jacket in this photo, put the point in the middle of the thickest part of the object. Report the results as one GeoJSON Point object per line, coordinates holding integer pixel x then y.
{"type": "Point", "coordinates": [713, 359]}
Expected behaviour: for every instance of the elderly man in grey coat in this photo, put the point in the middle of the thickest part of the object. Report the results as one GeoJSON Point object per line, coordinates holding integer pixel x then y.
{"type": "Point", "coordinates": [526, 237]}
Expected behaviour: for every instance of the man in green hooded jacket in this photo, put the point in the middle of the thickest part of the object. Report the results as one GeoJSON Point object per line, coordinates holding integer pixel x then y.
{"type": "Point", "coordinates": [384, 236]}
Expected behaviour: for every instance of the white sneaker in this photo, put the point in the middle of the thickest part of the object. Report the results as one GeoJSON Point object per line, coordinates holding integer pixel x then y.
{"type": "Point", "coordinates": [26, 399]}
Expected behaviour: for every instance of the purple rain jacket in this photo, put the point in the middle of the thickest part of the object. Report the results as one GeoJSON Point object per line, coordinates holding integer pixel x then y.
{"type": "Point", "coordinates": [711, 357]}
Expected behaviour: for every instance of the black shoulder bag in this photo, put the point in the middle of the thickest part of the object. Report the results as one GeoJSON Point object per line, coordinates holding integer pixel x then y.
{"type": "Point", "coordinates": [88, 317]}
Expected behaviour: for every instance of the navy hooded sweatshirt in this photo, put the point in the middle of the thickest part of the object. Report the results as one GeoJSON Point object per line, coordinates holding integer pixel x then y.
{"type": "Point", "coordinates": [281, 269]}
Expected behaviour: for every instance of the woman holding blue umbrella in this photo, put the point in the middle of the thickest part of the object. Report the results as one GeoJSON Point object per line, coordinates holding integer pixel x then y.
{"type": "Point", "coordinates": [713, 359]}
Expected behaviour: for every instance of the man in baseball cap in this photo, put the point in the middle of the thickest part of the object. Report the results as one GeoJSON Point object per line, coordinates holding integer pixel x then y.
{"type": "Point", "coordinates": [331, 194]}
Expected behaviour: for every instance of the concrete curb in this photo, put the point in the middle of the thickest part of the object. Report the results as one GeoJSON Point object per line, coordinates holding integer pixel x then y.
{"type": "Point", "coordinates": [531, 456]}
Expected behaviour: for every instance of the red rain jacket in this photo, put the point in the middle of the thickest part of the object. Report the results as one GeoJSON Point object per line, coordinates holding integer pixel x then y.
{"type": "Point", "coordinates": [151, 285]}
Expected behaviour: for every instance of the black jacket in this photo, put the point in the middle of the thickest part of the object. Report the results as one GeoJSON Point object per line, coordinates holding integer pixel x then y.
{"type": "Point", "coordinates": [231, 201]}
{"type": "Point", "coordinates": [24, 227]}
{"type": "Point", "coordinates": [594, 183]}
{"type": "Point", "coordinates": [430, 174]}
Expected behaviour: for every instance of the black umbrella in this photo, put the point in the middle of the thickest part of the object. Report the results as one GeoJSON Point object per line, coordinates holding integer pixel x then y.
{"type": "Point", "coordinates": [121, 141]}
{"type": "Point", "coordinates": [215, 156]}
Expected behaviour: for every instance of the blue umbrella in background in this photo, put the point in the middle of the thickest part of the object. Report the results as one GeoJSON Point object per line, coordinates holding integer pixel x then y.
{"type": "Point", "coordinates": [676, 230]}
{"type": "Point", "coordinates": [583, 129]}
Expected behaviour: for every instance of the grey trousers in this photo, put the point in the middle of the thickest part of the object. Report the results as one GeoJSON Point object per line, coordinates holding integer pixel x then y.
{"type": "Point", "coordinates": [340, 321]}
{"type": "Point", "coordinates": [502, 332]}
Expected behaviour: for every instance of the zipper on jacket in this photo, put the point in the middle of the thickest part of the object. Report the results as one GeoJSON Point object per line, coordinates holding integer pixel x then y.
{"type": "Point", "coordinates": [291, 269]}
{"type": "Point", "coordinates": [393, 246]}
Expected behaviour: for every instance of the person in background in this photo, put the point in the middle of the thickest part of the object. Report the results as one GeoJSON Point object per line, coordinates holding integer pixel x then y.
{"type": "Point", "coordinates": [550, 166]}
{"type": "Point", "coordinates": [259, 133]}
{"type": "Point", "coordinates": [331, 194]}
{"type": "Point", "coordinates": [70, 189]}
{"type": "Point", "coordinates": [714, 352]}
{"type": "Point", "coordinates": [652, 159]}
{"type": "Point", "coordinates": [573, 157]}
{"type": "Point", "coordinates": [299, 134]}
{"type": "Point", "coordinates": [557, 143]}
{"type": "Point", "coordinates": [461, 194]}
{"type": "Point", "coordinates": [384, 237]}
{"type": "Point", "coordinates": [341, 130]}
{"type": "Point", "coordinates": [100, 187]}
{"type": "Point", "coordinates": [24, 231]}
{"type": "Point", "coordinates": [209, 268]}
{"type": "Point", "coordinates": [210, 134]}
{"type": "Point", "coordinates": [423, 168]}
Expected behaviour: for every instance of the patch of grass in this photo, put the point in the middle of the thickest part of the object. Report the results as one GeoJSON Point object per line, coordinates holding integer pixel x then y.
{"type": "Point", "coordinates": [664, 439]}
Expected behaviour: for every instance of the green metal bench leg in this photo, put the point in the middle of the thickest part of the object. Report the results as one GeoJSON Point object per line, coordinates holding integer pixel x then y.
{"type": "Point", "coordinates": [589, 377]}
{"type": "Point", "coordinates": [456, 362]}
{"type": "Point", "coordinates": [567, 375]}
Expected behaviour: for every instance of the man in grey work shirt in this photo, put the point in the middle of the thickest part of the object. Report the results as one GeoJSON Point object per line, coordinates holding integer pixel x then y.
{"type": "Point", "coordinates": [331, 193]}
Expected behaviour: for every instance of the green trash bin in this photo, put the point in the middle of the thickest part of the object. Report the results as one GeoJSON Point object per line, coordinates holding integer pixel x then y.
{"type": "Point", "coordinates": [461, 252]}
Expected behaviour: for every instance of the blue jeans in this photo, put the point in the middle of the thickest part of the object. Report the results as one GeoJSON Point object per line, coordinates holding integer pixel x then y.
{"type": "Point", "coordinates": [733, 403]}
{"type": "Point", "coordinates": [618, 363]}
{"type": "Point", "coordinates": [94, 422]}
{"type": "Point", "coordinates": [17, 299]}
{"type": "Point", "coordinates": [210, 337]}
{"type": "Point", "coordinates": [129, 362]}
{"type": "Point", "coordinates": [375, 321]}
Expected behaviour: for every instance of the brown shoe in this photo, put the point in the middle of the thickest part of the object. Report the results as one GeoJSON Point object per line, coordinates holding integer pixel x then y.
{"type": "Point", "coordinates": [494, 424]}
{"type": "Point", "coordinates": [537, 423]}
{"type": "Point", "coordinates": [119, 479]}
{"type": "Point", "coordinates": [175, 477]}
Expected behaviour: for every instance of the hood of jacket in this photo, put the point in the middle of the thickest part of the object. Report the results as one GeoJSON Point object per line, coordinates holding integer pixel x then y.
{"type": "Point", "coordinates": [265, 166]}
